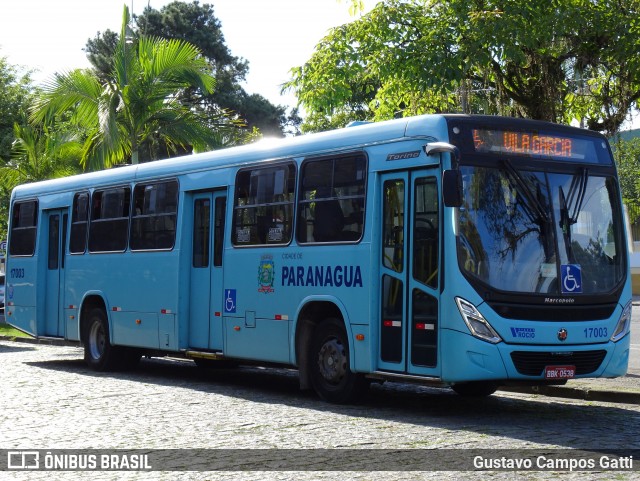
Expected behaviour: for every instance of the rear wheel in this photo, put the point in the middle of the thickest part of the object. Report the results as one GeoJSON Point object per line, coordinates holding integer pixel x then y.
{"type": "Point", "coordinates": [475, 388]}
{"type": "Point", "coordinates": [99, 354]}
{"type": "Point", "coordinates": [331, 376]}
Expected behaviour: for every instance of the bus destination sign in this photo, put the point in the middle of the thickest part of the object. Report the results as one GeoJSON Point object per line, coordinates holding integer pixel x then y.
{"type": "Point", "coordinates": [525, 143]}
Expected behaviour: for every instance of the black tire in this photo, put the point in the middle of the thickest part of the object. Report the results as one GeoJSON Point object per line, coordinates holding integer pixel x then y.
{"type": "Point", "coordinates": [99, 354]}
{"type": "Point", "coordinates": [329, 369]}
{"type": "Point", "coordinates": [475, 388]}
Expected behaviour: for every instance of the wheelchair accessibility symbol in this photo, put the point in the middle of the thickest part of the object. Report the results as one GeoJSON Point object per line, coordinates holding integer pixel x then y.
{"type": "Point", "coordinates": [571, 275]}
{"type": "Point", "coordinates": [230, 301]}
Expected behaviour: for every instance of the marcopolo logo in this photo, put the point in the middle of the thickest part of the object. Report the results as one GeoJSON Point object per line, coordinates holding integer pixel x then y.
{"type": "Point", "coordinates": [523, 332]}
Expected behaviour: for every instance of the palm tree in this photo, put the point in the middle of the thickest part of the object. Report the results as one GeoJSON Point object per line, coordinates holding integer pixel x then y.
{"type": "Point", "coordinates": [137, 103]}
{"type": "Point", "coordinates": [37, 154]}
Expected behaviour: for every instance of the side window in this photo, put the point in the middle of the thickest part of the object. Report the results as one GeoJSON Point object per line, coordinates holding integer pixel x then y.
{"type": "Point", "coordinates": [153, 220]}
{"type": "Point", "coordinates": [24, 221]}
{"type": "Point", "coordinates": [332, 199]}
{"type": "Point", "coordinates": [79, 223]}
{"type": "Point", "coordinates": [109, 226]}
{"type": "Point", "coordinates": [263, 205]}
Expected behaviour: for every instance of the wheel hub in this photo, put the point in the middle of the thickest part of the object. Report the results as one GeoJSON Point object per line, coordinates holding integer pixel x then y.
{"type": "Point", "coordinates": [97, 341]}
{"type": "Point", "coordinates": [332, 361]}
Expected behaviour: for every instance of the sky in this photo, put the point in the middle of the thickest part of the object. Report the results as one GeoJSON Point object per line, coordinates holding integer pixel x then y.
{"type": "Point", "coordinates": [47, 36]}
{"type": "Point", "coordinates": [273, 35]}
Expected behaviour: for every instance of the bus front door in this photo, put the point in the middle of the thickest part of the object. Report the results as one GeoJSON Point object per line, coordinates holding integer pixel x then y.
{"type": "Point", "coordinates": [205, 319]}
{"type": "Point", "coordinates": [56, 229]}
{"type": "Point", "coordinates": [410, 255]}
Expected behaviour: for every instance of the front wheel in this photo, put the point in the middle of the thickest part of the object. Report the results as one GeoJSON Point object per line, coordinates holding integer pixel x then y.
{"type": "Point", "coordinates": [331, 376]}
{"type": "Point", "coordinates": [99, 354]}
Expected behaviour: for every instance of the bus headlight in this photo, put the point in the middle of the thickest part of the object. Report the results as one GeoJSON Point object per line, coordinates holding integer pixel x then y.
{"type": "Point", "coordinates": [476, 322]}
{"type": "Point", "coordinates": [624, 324]}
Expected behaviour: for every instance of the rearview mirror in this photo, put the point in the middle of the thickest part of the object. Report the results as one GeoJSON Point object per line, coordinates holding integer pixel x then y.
{"type": "Point", "coordinates": [452, 188]}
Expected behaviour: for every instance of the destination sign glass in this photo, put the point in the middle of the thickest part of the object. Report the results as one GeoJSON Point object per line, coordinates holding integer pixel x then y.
{"type": "Point", "coordinates": [541, 145]}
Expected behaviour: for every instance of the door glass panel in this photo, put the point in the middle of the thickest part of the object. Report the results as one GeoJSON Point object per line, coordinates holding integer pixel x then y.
{"type": "Point", "coordinates": [63, 251]}
{"type": "Point", "coordinates": [54, 239]}
{"type": "Point", "coordinates": [392, 314]}
{"type": "Point", "coordinates": [424, 337]}
{"type": "Point", "coordinates": [425, 232]}
{"type": "Point", "coordinates": [393, 226]}
{"type": "Point", "coordinates": [218, 240]}
{"type": "Point", "coordinates": [201, 229]}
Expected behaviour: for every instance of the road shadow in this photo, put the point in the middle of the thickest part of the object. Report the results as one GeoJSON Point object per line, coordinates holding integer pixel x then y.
{"type": "Point", "coordinates": [15, 347]}
{"type": "Point", "coordinates": [528, 418]}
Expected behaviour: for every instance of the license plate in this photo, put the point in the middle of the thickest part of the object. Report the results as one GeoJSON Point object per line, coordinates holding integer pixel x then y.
{"type": "Point", "coordinates": [559, 372]}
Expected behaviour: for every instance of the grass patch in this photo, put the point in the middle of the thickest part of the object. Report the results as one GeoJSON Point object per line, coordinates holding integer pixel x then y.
{"type": "Point", "coordinates": [6, 330]}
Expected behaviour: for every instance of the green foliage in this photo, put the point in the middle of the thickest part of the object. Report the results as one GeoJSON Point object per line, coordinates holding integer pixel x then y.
{"type": "Point", "coordinates": [138, 102]}
{"type": "Point", "coordinates": [15, 95]}
{"type": "Point", "coordinates": [198, 25]}
{"type": "Point", "coordinates": [36, 154]}
{"type": "Point", "coordinates": [39, 154]}
{"type": "Point", "coordinates": [627, 156]}
{"type": "Point", "coordinates": [559, 61]}
{"type": "Point", "coordinates": [10, 332]}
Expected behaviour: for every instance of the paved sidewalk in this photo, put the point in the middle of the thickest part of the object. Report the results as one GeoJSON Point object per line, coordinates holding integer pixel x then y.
{"type": "Point", "coordinates": [619, 390]}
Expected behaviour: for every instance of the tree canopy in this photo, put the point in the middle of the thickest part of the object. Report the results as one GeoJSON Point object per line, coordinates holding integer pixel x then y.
{"type": "Point", "coordinates": [562, 61]}
{"type": "Point", "coordinates": [198, 25]}
{"type": "Point", "coordinates": [136, 103]}
{"type": "Point", "coordinates": [16, 92]}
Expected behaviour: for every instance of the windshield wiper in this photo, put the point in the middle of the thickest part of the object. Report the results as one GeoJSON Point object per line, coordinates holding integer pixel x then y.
{"type": "Point", "coordinates": [571, 205]}
{"type": "Point", "coordinates": [532, 202]}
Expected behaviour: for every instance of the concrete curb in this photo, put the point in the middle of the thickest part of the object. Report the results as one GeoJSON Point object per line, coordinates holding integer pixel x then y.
{"type": "Point", "coordinates": [585, 394]}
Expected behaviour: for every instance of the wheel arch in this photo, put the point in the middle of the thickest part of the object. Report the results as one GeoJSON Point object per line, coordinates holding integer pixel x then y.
{"type": "Point", "coordinates": [90, 301]}
{"type": "Point", "coordinates": [312, 311]}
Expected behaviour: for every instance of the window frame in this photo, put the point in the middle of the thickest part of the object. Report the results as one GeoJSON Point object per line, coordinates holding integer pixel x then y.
{"type": "Point", "coordinates": [126, 188]}
{"type": "Point", "coordinates": [76, 195]}
{"type": "Point", "coordinates": [133, 216]}
{"type": "Point", "coordinates": [33, 227]}
{"type": "Point", "coordinates": [303, 222]}
{"type": "Point", "coordinates": [290, 168]}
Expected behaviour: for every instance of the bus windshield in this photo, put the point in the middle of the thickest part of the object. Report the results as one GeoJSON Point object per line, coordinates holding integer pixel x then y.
{"type": "Point", "coordinates": [541, 232]}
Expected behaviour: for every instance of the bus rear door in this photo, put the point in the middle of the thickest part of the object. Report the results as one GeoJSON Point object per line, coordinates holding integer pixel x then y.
{"type": "Point", "coordinates": [56, 228]}
{"type": "Point", "coordinates": [205, 325]}
{"type": "Point", "coordinates": [410, 253]}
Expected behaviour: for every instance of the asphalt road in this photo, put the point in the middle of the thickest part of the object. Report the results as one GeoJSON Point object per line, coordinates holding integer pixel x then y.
{"type": "Point", "coordinates": [52, 401]}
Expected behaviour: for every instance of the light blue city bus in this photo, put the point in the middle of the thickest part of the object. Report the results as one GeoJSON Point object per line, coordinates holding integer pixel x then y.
{"type": "Point", "coordinates": [463, 251]}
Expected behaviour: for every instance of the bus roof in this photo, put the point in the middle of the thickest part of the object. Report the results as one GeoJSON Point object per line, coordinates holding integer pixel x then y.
{"type": "Point", "coordinates": [341, 139]}
{"type": "Point", "coordinates": [358, 136]}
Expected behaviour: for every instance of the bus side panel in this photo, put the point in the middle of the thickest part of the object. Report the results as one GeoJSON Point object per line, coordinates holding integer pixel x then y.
{"type": "Point", "coordinates": [141, 294]}
{"type": "Point", "coordinates": [256, 339]}
{"type": "Point", "coordinates": [21, 295]}
{"type": "Point", "coordinates": [272, 285]}
{"type": "Point", "coordinates": [138, 329]}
